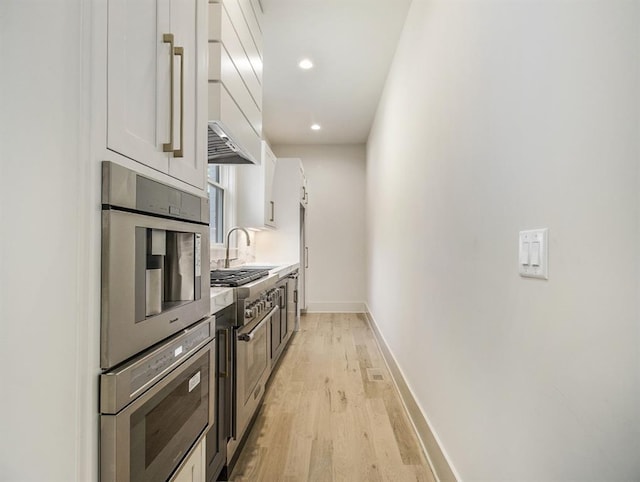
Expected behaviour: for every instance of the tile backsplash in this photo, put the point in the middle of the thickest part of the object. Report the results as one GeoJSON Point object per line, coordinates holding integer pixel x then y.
{"type": "Point", "coordinates": [237, 256]}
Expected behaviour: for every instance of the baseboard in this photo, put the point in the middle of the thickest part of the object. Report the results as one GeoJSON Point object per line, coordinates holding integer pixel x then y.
{"type": "Point", "coordinates": [336, 307]}
{"type": "Point", "coordinates": [442, 469]}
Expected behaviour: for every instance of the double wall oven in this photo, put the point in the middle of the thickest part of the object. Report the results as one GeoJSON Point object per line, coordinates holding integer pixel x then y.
{"type": "Point", "coordinates": [157, 349]}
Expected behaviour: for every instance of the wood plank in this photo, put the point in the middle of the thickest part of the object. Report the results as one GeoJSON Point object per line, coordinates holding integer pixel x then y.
{"type": "Point", "coordinates": [331, 412]}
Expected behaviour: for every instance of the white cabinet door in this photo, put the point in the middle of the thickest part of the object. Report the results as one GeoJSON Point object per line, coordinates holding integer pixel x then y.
{"type": "Point", "coordinates": [189, 27]}
{"type": "Point", "coordinates": [156, 70]}
{"type": "Point", "coordinates": [193, 469]}
{"type": "Point", "coordinates": [270, 212]}
{"type": "Point", "coordinates": [304, 194]}
{"type": "Point", "coordinates": [138, 68]}
{"type": "Point", "coordinates": [256, 205]}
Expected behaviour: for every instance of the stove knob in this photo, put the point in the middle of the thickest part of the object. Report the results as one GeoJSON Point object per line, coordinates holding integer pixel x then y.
{"type": "Point", "coordinates": [248, 313]}
{"type": "Point", "coordinates": [255, 311]}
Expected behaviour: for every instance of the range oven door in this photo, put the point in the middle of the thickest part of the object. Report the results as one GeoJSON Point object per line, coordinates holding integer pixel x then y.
{"type": "Point", "coordinates": [252, 359]}
{"type": "Point", "coordinates": [148, 439]}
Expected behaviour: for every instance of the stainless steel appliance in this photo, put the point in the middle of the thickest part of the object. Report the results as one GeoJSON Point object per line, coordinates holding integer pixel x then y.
{"type": "Point", "coordinates": [223, 148]}
{"type": "Point", "coordinates": [257, 301]}
{"type": "Point", "coordinates": [155, 407]}
{"type": "Point", "coordinates": [252, 358]}
{"type": "Point", "coordinates": [293, 307]}
{"type": "Point", "coordinates": [237, 277]}
{"type": "Point", "coordinates": [216, 447]}
{"type": "Point", "coordinates": [280, 324]}
{"type": "Point", "coordinates": [155, 249]}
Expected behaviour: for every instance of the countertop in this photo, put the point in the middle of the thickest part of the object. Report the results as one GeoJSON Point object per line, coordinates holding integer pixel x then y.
{"type": "Point", "coordinates": [221, 297]}
{"type": "Point", "coordinates": [278, 270]}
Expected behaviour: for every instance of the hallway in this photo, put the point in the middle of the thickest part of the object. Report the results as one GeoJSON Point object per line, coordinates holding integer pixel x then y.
{"type": "Point", "coordinates": [331, 412]}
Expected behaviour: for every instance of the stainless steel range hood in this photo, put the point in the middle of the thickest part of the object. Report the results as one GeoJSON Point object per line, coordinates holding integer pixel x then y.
{"type": "Point", "coordinates": [223, 149]}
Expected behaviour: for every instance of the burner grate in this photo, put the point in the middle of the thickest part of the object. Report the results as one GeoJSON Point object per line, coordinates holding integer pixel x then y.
{"type": "Point", "coordinates": [236, 277]}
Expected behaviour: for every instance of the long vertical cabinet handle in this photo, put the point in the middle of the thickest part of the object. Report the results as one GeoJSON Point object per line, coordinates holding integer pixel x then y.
{"type": "Point", "coordinates": [167, 38]}
{"type": "Point", "coordinates": [273, 211]}
{"type": "Point", "coordinates": [179, 51]}
{"type": "Point", "coordinates": [306, 252]}
{"type": "Point", "coordinates": [225, 373]}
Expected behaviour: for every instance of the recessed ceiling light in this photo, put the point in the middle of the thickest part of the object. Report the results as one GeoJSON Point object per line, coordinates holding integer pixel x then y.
{"type": "Point", "coordinates": [305, 64]}
{"type": "Point", "coordinates": [315, 127]}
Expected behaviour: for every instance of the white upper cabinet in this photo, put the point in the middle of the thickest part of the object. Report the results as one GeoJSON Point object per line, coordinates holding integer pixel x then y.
{"type": "Point", "coordinates": [256, 204]}
{"type": "Point", "coordinates": [269, 160]}
{"type": "Point", "coordinates": [156, 85]}
{"type": "Point", "coordinates": [304, 192]}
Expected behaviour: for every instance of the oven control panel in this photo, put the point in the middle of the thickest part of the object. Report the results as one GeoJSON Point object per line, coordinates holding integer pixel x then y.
{"type": "Point", "coordinates": [168, 356]}
{"type": "Point", "coordinates": [122, 385]}
{"type": "Point", "coordinates": [261, 305]}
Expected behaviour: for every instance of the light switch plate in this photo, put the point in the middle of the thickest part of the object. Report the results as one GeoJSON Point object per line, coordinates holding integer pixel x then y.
{"type": "Point", "coordinates": [534, 264]}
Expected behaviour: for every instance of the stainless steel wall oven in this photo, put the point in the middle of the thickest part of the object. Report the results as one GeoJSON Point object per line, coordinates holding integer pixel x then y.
{"type": "Point", "coordinates": [155, 250]}
{"type": "Point", "coordinates": [155, 407]}
{"type": "Point", "coordinates": [157, 339]}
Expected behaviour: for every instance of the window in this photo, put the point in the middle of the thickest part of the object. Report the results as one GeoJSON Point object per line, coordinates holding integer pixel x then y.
{"type": "Point", "coordinates": [219, 178]}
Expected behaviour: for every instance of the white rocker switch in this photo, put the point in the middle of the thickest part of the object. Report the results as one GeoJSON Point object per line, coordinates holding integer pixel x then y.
{"type": "Point", "coordinates": [524, 254]}
{"type": "Point", "coordinates": [533, 252]}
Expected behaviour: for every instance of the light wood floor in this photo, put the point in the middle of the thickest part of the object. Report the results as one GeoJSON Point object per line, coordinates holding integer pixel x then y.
{"type": "Point", "coordinates": [331, 412]}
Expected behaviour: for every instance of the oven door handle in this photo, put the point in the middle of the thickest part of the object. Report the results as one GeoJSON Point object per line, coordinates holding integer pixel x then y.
{"type": "Point", "coordinates": [249, 336]}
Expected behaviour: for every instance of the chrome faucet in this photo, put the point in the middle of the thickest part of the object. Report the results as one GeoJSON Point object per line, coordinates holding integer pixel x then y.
{"type": "Point", "coordinates": [226, 258]}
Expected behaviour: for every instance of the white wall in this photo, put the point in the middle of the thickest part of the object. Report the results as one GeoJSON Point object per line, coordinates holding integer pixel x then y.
{"type": "Point", "coordinates": [48, 272]}
{"type": "Point", "coordinates": [335, 224]}
{"type": "Point", "coordinates": [499, 117]}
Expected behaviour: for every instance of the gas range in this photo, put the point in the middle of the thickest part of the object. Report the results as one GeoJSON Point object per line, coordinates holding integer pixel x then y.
{"type": "Point", "coordinates": [237, 277]}
{"type": "Point", "coordinates": [254, 290]}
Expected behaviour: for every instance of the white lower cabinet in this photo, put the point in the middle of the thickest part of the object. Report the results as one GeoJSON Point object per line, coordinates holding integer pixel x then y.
{"type": "Point", "coordinates": [194, 468]}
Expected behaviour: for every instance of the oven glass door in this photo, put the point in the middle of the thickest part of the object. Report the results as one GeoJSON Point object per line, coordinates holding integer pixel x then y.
{"type": "Point", "coordinates": [252, 364]}
{"type": "Point", "coordinates": [164, 427]}
{"type": "Point", "coordinates": [254, 360]}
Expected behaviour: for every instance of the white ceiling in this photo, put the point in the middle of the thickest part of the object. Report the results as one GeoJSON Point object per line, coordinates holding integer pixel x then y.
{"type": "Point", "coordinates": [351, 43]}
